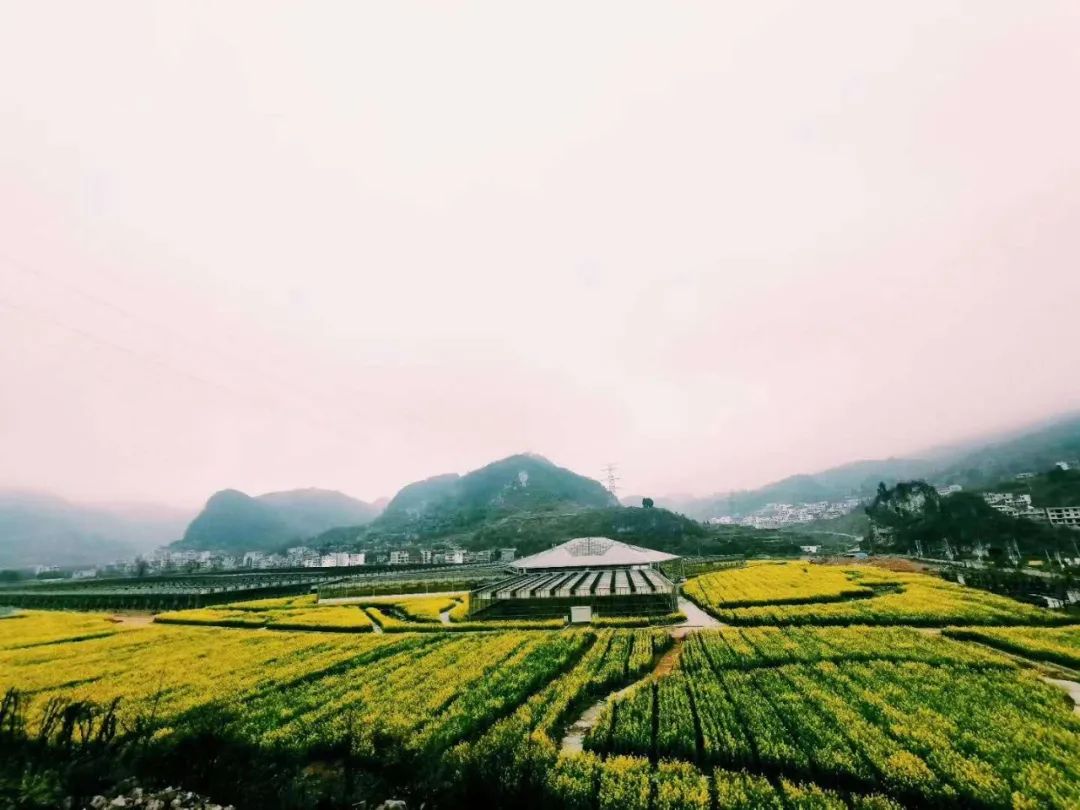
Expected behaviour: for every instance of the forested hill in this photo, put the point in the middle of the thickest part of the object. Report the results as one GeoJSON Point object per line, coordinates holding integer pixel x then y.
{"type": "Point", "coordinates": [521, 483]}
{"type": "Point", "coordinates": [913, 513]}
{"type": "Point", "coordinates": [233, 521]}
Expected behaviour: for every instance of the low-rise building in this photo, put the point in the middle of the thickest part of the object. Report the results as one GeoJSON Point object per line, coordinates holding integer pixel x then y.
{"type": "Point", "coordinates": [1063, 516]}
{"type": "Point", "coordinates": [1008, 503]}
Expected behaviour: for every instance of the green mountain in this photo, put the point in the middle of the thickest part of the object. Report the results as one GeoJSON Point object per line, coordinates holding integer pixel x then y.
{"type": "Point", "coordinates": [311, 511]}
{"type": "Point", "coordinates": [913, 514]}
{"type": "Point", "coordinates": [41, 529]}
{"type": "Point", "coordinates": [233, 521]}
{"type": "Point", "coordinates": [518, 484]}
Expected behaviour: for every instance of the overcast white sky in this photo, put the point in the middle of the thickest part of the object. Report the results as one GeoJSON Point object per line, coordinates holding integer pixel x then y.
{"type": "Point", "coordinates": [350, 245]}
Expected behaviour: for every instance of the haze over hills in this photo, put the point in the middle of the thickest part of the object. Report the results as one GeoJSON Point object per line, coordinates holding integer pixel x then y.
{"type": "Point", "coordinates": [233, 521]}
{"type": "Point", "coordinates": [503, 502]}
{"type": "Point", "coordinates": [975, 463]}
{"type": "Point", "coordinates": [41, 529]}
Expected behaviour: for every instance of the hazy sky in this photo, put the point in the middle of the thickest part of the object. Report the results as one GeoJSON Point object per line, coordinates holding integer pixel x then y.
{"type": "Point", "coordinates": [351, 245]}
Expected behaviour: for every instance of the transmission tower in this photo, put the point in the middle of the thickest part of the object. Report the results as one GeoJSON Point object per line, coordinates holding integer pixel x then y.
{"type": "Point", "coordinates": [612, 479]}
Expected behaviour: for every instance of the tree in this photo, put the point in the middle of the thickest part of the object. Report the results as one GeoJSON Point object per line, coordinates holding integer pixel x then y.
{"type": "Point", "coordinates": [647, 503]}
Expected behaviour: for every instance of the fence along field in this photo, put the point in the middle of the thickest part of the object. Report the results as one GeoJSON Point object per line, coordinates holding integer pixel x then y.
{"type": "Point", "coordinates": [786, 716]}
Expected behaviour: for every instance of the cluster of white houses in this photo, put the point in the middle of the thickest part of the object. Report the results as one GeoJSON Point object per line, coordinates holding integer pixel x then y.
{"type": "Point", "coordinates": [426, 556]}
{"type": "Point", "coordinates": [582, 577]}
{"type": "Point", "coordinates": [1017, 504]}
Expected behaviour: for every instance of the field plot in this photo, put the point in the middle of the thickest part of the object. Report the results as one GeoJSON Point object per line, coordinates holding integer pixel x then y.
{"type": "Point", "coordinates": [335, 619]}
{"type": "Point", "coordinates": [35, 628]}
{"type": "Point", "coordinates": [816, 595]}
{"type": "Point", "coordinates": [418, 613]}
{"type": "Point", "coordinates": [947, 725]}
{"type": "Point", "coordinates": [408, 680]}
{"type": "Point", "coordinates": [386, 702]}
{"type": "Point", "coordinates": [1059, 645]}
{"type": "Point", "coordinates": [748, 716]}
{"type": "Point", "coordinates": [774, 583]}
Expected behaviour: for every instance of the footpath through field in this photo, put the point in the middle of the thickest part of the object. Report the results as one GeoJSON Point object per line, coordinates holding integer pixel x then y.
{"type": "Point", "coordinates": [1072, 687]}
{"type": "Point", "coordinates": [695, 616]}
{"type": "Point", "coordinates": [574, 739]}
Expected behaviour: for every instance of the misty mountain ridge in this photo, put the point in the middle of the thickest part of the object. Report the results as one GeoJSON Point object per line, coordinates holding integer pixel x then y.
{"type": "Point", "coordinates": [38, 528]}
{"type": "Point", "coordinates": [233, 521]}
{"type": "Point", "coordinates": [971, 464]}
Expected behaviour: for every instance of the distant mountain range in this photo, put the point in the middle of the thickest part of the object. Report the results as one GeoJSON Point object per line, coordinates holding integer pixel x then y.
{"type": "Point", "coordinates": [42, 529]}
{"type": "Point", "coordinates": [522, 500]}
{"type": "Point", "coordinates": [972, 465]}
{"type": "Point", "coordinates": [233, 521]}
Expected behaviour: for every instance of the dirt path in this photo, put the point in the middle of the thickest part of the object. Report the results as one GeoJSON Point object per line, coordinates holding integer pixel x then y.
{"type": "Point", "coordinates": [574, 739]}
{"type": "Point", "coordinates": [375, 628]}
{"type": "Point", "coordinates": [695, 616]}
{"type": "Point", "coordinates": [1072, 687]}
{"type": "Point", "coordinates": [132, 619]}
{"type": "Point", "coordinates": [444, 617]}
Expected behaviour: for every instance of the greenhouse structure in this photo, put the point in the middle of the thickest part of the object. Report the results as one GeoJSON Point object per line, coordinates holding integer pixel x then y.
{"type": "Point", "coordinates": [609, 577]}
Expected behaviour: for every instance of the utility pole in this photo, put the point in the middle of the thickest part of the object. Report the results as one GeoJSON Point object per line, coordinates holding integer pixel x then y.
{"type": "Point", "coordinates": [612, 479]}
